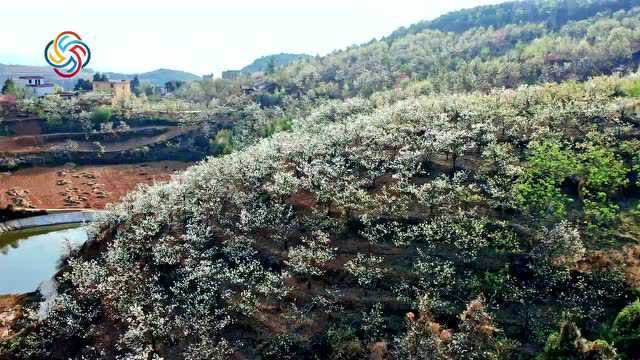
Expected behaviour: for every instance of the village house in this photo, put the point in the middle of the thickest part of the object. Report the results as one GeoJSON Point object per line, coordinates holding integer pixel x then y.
{"type": "Point", "coordinates": [120, 90]}
{"type": "Point", "coordinates": [156, 90]}
{"type": "Point", "coordinates": [231, 74]}
{"type": "Point", "coordinates": [35, 85]}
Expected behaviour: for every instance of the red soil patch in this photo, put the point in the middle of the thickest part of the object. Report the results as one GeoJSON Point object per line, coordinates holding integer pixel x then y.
{"type": "Point", "coordinates": [83, 186]}
{"type": "Point", "coordinates": [303, 199]}
{"type": "Point", "coordinates": [627, 259]}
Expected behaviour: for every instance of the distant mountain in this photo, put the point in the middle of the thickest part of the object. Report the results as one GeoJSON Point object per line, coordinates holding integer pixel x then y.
{"type": "Point", "coordinates": [157, 77]}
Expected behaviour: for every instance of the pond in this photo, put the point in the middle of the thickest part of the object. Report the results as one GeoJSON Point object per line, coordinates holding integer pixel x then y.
{"type": "Point", "coordinates": [29, 257]}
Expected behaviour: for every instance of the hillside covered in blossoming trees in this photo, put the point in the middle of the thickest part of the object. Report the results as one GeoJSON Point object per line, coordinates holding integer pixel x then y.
{"type": "Point", "coordinates": [432, 218]}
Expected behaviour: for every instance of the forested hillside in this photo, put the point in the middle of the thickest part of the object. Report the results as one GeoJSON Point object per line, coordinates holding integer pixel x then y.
{"type": "Point", "coordinates": [553, 14]}
{"type": "Point", "coordinates": [444, 195]}
{"type": "Point", "coordinates": [476, 59]}
{"type": "Point", "coordinates": [432, 61]}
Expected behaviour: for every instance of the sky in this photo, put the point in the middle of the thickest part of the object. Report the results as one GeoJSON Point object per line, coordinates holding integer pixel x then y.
{"type": "Point", "coordinates": [200, 36]}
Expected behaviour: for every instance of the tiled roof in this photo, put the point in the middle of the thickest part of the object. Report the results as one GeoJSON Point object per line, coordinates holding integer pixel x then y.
{"type": "Point", "coordinates": [31, 77]}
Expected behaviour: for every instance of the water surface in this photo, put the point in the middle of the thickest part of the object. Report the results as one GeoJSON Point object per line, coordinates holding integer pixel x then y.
{"type": "Point", "coordinates": [29, 257]}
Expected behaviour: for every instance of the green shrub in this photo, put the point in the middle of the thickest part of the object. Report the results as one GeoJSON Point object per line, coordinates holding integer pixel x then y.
{"type": "Point", "coordinates": [268, 100]}
{"type": "Point", "coordinates": [599, 172]}
{"type": "Point", "coordinates": [631, 151]}
{"type": "Point", "coordinates": [600, 211]}
{"type": "Point", "coordinates": [539, 188]}
{"type": "Point", "coordinates": [633, 89]}
{"type": "Point", "coordinates": [281, 347]}
{"type": "Point", "coordinates": [101, 114]}
{"type": "Point", "coordinates": [636, 211]}
{"type": "Point", "coordinates": [569, 344]}
{"type": "Point", "coordinates": [277, 125]}
{"type": "Point", "coordinates": [222, 143]}
{"type": "Point", "coordinates": [344, 344]}
{"type": "Point", "coordinates": [625, 331]}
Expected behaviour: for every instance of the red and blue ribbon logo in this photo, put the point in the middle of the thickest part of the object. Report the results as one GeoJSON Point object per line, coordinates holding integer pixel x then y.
{"type": "Point", "coordinates": [67, 54]}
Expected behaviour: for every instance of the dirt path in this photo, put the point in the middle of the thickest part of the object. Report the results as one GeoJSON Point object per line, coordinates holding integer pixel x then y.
{"type": "Point", "coordinates": [143, 141]}
{"type": "Point", "coordinates": [81, 186]}
{"type": "Point", "coordinates": [33, 144]}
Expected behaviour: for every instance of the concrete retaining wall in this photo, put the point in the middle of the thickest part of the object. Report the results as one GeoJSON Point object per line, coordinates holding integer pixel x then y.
{"type": "Point", "coordinates": [50, 219]}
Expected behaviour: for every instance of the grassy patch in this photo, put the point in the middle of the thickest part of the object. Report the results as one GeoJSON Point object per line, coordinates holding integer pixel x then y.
{"type": "Point", "coordinates": [633, 88]}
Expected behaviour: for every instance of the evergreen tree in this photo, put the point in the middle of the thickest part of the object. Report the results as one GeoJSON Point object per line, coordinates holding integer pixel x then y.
{"type": "Point", "coordinates": [271, 66]}
{"type": "Point", "coordinates": [100, 77]}
{"type": "Point", "coordinates": [9, 88]}
{"type": "Point", "coordinates": [135, 85]}
{"type": "Point", "coordinates": [83, 84]}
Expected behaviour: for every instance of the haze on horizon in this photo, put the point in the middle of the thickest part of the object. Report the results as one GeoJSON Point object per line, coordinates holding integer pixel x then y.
{"type": "Point", "coordinates": [201, 37]}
